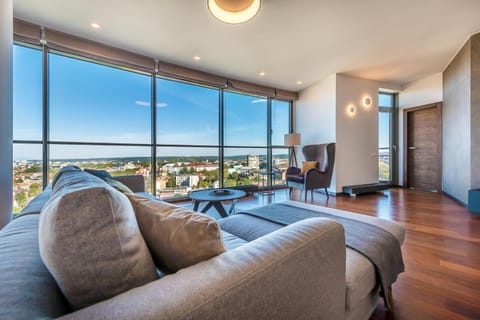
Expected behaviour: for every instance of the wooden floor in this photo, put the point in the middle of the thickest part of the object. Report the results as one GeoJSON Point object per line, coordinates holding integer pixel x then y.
{"type": "Point", "coordinates": [441, 250]}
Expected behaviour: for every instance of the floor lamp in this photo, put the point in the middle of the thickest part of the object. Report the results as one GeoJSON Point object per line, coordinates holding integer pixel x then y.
{"type": "Point", "coordinates": [292, 140]}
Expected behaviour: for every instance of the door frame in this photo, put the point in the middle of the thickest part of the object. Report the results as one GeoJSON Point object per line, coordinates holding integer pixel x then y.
{"type": "Point", "coordinates": [406, 114]}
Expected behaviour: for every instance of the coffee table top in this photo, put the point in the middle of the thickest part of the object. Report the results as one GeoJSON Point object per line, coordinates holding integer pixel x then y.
{"type": "Point", "coordinates": [217, 194]}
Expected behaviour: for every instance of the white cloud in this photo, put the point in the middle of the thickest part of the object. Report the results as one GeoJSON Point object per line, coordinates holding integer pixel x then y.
{"type": "Point", "coordinates": [142, 103]}
{"type": "Point", "coordinates": [147, 104]}
{"type": "Point", "coordinates": [259, 100]}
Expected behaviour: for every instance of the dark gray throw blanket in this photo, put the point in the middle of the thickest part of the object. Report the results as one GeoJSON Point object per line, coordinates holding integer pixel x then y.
{"type": "Point", "coordinates": [376, 244]}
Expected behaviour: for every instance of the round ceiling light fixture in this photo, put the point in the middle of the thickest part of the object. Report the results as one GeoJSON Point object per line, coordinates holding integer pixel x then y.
{"type": "Point", "coordinates": [234, 11]}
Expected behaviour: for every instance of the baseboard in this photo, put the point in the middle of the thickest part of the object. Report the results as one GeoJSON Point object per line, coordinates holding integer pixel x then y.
{"type": "Point", "coordinates": [330, 193]}
{"type": "Point", "coordinates": [463, 204]}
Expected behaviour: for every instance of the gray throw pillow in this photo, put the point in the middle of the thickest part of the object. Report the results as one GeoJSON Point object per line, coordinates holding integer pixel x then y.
{"type": "Point", "coordinates": [102, 174]}
{"type": "Point", "coordinates": [91, 244]}
{"type": "Point", "coordinates": [62, 170]}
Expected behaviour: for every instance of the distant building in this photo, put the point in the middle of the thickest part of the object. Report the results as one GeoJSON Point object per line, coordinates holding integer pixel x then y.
{"type": "Point", "coordinates": [203, 166]}
{"type": "Point", "coordinates": [187, 180]}
{"type": "Point", "coordinates": [253, 161]}
{"type": "Point", "coordinates": [171, 168]}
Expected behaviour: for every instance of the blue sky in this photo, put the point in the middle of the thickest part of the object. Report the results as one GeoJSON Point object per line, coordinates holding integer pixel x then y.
{"type": "Point", "coordinates": [94, 103]}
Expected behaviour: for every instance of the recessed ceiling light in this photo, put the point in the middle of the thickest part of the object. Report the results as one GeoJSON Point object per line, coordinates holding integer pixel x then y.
{"type": "Point", "coordinates": [262, 74]}
{"type": "Point", "coordinates": [196, 58]}
{"type": "Point", "coordinates": [299, 82]}
{"type": "Point", "coordinates": [234, 11]}
{"type": "Point", "coordinates": [95, 25]}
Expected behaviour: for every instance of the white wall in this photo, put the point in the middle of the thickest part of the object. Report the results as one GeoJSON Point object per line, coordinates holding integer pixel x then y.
{"type": "Point", "coordinates": [420, 92]}
{"type": "Point", "coordinates": [6, 102]}
{"type": "Point", "coordinates": [315, 115]}
{"type": "Point", "coordinates": [321, 117]}
{"type": "Point", "coordinates": [356, 158]}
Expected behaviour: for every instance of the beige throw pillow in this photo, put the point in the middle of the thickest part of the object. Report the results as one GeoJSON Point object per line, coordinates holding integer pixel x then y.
{"type": "Point", "coordinates": [90, 242]}
{"type": "Point", "coordinates": [177, 237]}
{"type": "Point", "coordinates": [306, 165]}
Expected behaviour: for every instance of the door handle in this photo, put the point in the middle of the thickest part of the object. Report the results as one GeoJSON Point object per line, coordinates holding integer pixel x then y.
{"type": "Point", "coordinates": [412, 148]}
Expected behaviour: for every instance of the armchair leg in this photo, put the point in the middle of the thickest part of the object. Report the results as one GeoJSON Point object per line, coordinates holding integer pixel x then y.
{"type": "Point", "coordinates": [311, 194]}
{"type": "Point", "coordinates": [290, 192]}
{"type": "Point", "coordinates": [326, 192]}
{"type": "Point", "coordinates": [306, 193]}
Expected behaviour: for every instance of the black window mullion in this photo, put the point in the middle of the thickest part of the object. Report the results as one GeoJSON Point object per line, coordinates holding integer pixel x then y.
{"type": "Point", "coordinates": [45, 116]}
{"type": "Point", "coordinates": [221, 136]}
{"type": "Point", "coordinates": [269, 139]}
{"type": "Point", "coordinates": [153, 155]}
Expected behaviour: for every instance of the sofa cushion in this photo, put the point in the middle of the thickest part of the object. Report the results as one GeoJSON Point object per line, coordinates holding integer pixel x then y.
{"type": "Point", "coordinates": [247, 227]}
{"type": "Point", "coordinates": [232, 241]}
{"type": "Point", "coordinates": [27, 289]}
{"type": "Point", "coordinates": [90, 241]}
{"type": "Point", "coordinates": [295, 178]}
{"type": "Point", "coordinates": [118, 186]}
{"type": "Point", "coordinates": [177, 237]}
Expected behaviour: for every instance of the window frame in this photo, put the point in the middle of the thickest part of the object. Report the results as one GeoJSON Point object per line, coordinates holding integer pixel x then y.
{"type": "Point", "coordinates": [45, 141]}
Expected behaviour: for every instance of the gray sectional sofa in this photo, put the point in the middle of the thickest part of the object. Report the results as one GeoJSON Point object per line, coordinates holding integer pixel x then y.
{"type": "Point", "coordinates": [301, 271]}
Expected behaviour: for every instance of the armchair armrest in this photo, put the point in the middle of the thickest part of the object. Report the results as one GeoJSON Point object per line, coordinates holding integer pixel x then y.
{"type": "Point", "coordinates": [135, 182]}
{"type": "Point", "coordinates": [296, 272]}
{"type": "Point", "coordinates": [293, 171]}
{"type": "Point", "coordinates": [315, 178]}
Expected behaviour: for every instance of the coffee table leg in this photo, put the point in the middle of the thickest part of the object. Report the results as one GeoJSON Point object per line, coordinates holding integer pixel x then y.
{"type": "Point", "coordinates": [195, 205]}
{"type": "Point", "coordinates": [218, 205]}
{"type": "Point", "coordinates": [232, 207]}
{"type": "Point", "coordinates": [208, 206]}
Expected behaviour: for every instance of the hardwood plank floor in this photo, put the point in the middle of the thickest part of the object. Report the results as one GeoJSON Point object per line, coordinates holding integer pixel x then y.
{"type": "Point", "coordinates": [441, 250]}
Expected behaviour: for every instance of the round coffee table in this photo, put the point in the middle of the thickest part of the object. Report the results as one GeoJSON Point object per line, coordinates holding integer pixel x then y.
{"type": "Point", "coordinates": [214, 198]}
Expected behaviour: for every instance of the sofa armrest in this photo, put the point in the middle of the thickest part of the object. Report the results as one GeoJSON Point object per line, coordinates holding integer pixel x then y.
{"type": "Point", "coordinates": [135, 182]}
{"type": "Point", "coordinates": [296, 272]}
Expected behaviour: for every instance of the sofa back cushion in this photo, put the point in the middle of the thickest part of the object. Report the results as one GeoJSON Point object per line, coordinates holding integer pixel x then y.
{"type": "Point", "coordinates": [90, 241]}
{"type": "Point", "coordinates": [177, 237]}
{"type": "Point", "coordinates": [27, 289]}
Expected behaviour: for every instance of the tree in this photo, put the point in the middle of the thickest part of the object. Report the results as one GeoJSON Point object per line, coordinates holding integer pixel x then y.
{"type": "Point", "coordinates": [21, 199]}
{"type": "Point", "coordinates": [170, 183]}
{"type": "Point", "coordinates": [35, 189]}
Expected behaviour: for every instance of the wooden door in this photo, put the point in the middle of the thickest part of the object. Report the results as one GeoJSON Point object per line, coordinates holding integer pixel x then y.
{"type": "Point", "coordinates": [423, 147]}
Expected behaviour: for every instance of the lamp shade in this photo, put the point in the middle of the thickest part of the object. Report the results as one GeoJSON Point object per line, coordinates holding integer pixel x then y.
{"type": "Point", "coordinates": [292, 139]}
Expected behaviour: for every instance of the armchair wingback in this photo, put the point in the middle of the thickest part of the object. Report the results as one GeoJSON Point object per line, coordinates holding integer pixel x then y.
{"type": "Point", "coordinates": [314, 178]}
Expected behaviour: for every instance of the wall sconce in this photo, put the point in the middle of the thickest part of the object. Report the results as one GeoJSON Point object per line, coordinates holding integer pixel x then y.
{"type": "Point", "coordinates": [351, 110]}
{"type": "Point", "coordinates": [367, 101]}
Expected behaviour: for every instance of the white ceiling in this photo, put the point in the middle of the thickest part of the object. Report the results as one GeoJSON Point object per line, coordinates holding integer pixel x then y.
{"type": "Point", "coordinates": [395, 41]}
